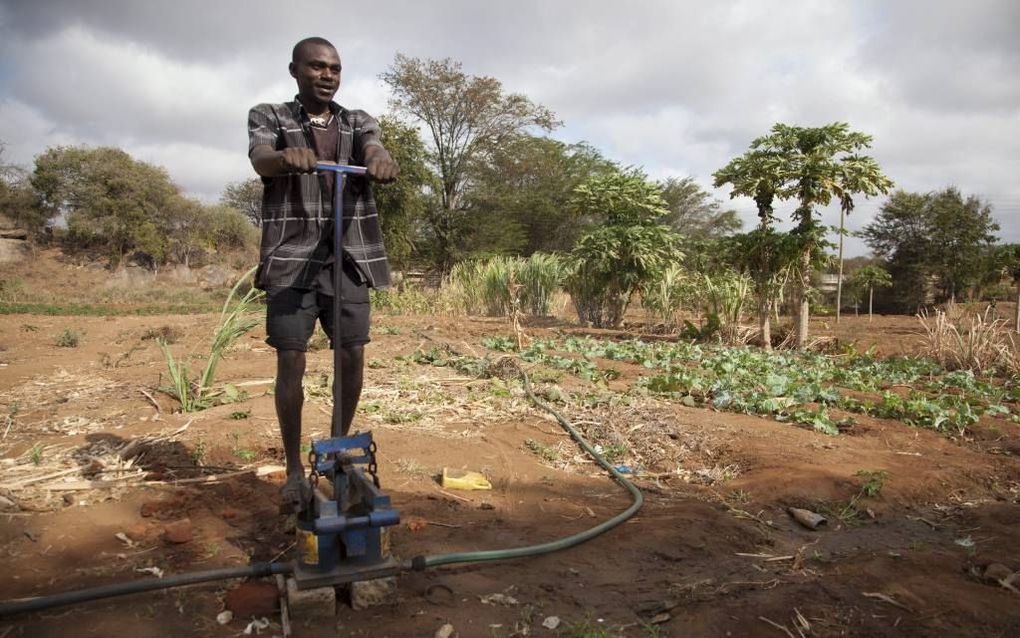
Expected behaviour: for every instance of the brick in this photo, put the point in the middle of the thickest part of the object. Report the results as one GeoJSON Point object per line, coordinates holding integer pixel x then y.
{"type": "Point", "coordinates": [179, 532]}
{"type": "Point", "coordinates": [310, 603]}
{"type": "Point", "coordinates": [253, 598]}
{"type": "Point", "coordinates": [373, 593]}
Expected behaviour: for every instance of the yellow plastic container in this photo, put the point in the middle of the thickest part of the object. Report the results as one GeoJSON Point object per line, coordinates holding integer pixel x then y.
{"type": "Point", "coordinates": [454, 479]}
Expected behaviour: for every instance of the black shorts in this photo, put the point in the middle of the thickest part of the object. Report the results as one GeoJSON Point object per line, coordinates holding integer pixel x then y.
{"type": "Point", "coordinates": [291, 315]}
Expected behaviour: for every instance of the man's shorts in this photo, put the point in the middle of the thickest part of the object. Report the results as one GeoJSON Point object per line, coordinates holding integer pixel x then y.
{"type": "Point", "coordinates": [291, 314]}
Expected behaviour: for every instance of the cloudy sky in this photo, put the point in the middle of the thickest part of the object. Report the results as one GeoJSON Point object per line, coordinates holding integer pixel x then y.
{"type": "Point", "coordinates": [676, 87]}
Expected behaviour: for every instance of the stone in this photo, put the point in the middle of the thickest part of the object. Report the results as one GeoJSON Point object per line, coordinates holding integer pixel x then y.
{"type": "Point", "coordinates": [373, 593]}
{"type": "Point", "coordinates": [319, 602]}
{"type": "Point", "coordinates": [997, 573]}
{"type": "Point", "coordinates": [139, 532]}
{"type": "Point", "coordinates": [253, 598]}
{"type": "Point", "coordinates": [446, 631]}
{"type": "Point", "coordinates": [179, 532]}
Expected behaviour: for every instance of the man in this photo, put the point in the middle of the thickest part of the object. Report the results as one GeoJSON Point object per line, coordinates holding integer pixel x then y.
{"type": "Point", "coordinates": [296, 263]}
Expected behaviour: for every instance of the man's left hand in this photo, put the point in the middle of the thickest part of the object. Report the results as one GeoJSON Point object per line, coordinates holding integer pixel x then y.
{"type": "Point", "coordinates": [380, 165]}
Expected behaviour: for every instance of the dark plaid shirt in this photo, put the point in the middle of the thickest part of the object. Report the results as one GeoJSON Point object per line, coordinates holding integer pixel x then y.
{"type": "Point", "coordinates": [297, 219]}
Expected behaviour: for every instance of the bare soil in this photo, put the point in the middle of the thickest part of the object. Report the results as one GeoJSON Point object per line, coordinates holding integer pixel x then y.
{"type": "Point", "coordinates": [712, 553]}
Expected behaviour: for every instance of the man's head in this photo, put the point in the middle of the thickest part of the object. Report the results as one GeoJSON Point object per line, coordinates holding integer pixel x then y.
{"type": "Point", "coordinates": [315, 64]}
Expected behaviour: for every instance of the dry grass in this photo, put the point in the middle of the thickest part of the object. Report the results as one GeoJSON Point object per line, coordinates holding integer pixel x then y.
{"type": "Point", "coordinates": [961, 341]}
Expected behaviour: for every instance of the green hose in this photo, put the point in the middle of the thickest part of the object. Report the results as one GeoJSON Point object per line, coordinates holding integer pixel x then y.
{"type": "Point", "coordinates": [424, 562]}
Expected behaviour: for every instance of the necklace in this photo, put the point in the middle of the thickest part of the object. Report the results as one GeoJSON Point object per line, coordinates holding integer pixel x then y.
{"type": "Point", "coordinates": [321, 121]}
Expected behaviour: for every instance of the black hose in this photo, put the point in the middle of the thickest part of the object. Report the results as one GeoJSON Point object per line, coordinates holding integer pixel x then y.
{"type": "Point", "coordinates": [256, 570]}
{"type": "Point", "coordinates": [426, 562]}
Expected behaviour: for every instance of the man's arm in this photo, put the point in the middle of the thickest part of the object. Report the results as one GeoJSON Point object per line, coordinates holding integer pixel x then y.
{"type": "Point", "coordinates": [380, 165]}
{"type": "Point", "coordinates": [269, 162]}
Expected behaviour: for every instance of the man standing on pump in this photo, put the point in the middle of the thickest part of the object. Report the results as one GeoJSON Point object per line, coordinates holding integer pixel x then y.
{"type": "Point", "coordinates": [296, 260]}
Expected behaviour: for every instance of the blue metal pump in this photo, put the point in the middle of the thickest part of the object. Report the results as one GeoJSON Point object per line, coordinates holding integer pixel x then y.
{"type": "Point", "coordinates": [340, 537]}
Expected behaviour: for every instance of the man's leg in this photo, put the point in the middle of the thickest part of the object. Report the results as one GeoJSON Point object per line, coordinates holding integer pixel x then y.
{"type": "Point", "coordinates": [290, 398]}
{"type": "Point", "coordinates": [352, 362]}
{"type": "Point", "coordinates": [290, 321]}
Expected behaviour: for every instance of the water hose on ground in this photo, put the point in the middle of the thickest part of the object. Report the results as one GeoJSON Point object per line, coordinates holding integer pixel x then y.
{"type": "Point", "coordinates": [256, 570]}
{"type": "Point", "coordinates": [425, 562]}
{"type": "Point", "coordinates": [259, 570]}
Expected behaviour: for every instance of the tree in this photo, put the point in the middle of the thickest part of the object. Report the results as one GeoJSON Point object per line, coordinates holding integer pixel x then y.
{"type": "Point", "coordinates": [468, 118]}
{"type": "Point", "coordinates": [939, 236]}
{"type": "Point", "coordinates": [628, 247]}
{"type": "Point", "coordinates": [868, 278]}
{"type": "Point", "coordinates": [694, 213]}
{"type": "Point", "coordinates": [17, 200]}
{"type": "Point", "coordinates": [768, 258]}
{"type": "Point", "coordinates": [961, 232]}
{"type": "Point", "coordinates": [404, 205]}
{"type": "Point", "coordinates": [245, 196]}
{"type": "Point", "coordinates": [519, 200]}
{"type": "Point", "coordinates": [813, 166]}
{"type": "Point", "coordinates": [112, 203]}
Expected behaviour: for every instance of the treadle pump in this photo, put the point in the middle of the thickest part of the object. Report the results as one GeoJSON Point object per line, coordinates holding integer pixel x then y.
{"type": "Point", "coordinates": [339, 532]}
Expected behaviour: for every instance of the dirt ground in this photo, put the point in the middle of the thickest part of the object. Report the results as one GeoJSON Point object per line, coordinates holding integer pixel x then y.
{"type": "Point", "coordinates": [712, 553]}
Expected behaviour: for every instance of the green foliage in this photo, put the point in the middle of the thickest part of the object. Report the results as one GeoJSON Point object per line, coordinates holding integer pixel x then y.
{"type": "Point", "coordinates": [874, 481]}
{"type": "Point", "coordinates": [694, 213]}
{"type": "Point", "coordinates": [798, 387]}
{"type": "Point", "coordinates": [665, 295]}
{"type": "Point", "coordinates": [813, 166]}
{"type": "Point", "coordinates": [487, 286]}
{"type": "Point", "coordinates": [626, 249]}
{"type": "Point", "coordinates": [542, 450]}
{"type": "Point", "coordinates": [118, 206]}
{"type": "Point", "coordinates": [236, 319]}
{"type": "Point", "coordinates": [941, 235]}
{"type": "Point", "coordinates": [519, 196]}
{"type": "Point", "coordinates": [407, 202]}
{"type": "Point", "coordinates": [113, 203]}
{"type": "Point", "coordinates": [18, 201]}
{"type": "Point", "coordinates": [468, 119]}
{"type": "Point", "coordinates": [246, 197]}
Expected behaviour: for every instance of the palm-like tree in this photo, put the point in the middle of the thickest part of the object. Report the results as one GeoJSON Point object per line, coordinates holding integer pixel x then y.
{"type": "Point", "coordinates": [813, 166]}
{"type": "Point", "coordinates": [869, 278]}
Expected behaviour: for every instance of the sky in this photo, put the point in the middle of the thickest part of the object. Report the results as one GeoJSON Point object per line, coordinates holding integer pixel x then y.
{"type": "Point", "coordinates": [676, 87]}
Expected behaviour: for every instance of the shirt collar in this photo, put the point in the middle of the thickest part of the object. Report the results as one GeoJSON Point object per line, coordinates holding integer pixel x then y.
{"type": "Point", "coordinates": [302, 114]}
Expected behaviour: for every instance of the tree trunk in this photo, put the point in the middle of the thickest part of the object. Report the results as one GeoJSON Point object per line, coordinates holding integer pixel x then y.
{"type": "Point", "coordinates": [839, 281]}
{"type": "Point", "coordinates": [871, 297]}
{"type": "Point", "coordinates": [1016, 317]}
{"type": "Point", "coordinates": [803, 309]}
{"type": "Point", "coordinates": [764, 309]}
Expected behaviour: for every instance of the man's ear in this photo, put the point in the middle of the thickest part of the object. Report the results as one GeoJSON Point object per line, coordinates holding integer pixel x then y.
{"type": "Point", "coordinates": [293, 73]}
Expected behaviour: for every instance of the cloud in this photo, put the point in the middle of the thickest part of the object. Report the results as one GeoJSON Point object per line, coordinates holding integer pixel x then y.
{"type": "Point", "coordinates": [677, 87]}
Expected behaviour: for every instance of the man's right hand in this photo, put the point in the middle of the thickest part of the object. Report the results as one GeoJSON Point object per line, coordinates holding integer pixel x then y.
{"type": "Point", "coordinates": [297, 160]}
{"type": "Point", "coordinates": [269, 162]}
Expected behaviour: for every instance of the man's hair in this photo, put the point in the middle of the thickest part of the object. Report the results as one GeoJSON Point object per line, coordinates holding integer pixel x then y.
{"type": "Point", "coordinates": [296, 53]}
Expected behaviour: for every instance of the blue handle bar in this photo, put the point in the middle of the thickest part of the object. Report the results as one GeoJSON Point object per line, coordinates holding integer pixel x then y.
{"type": "Point", "coordinates": [340, 168]}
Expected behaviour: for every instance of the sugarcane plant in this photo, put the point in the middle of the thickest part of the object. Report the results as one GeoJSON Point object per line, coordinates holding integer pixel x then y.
{"type": "Point", "coordinates": [236, 319]}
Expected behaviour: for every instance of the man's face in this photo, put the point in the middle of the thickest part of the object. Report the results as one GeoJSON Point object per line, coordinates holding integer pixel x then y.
{"type": "Point", "coordinates": [317, 71]}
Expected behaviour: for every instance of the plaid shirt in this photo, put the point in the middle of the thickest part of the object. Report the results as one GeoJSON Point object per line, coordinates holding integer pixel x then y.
{"type": "Point", "coordinates": [297, 224]}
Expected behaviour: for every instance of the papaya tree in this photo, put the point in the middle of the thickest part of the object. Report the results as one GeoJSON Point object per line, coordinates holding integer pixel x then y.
{"type": "Point", "coordinates": [812, 165]}
{"type": "Point", "coordinates": [625, 244]}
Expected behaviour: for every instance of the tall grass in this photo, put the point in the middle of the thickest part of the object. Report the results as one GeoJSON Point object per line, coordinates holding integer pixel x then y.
{"type": "Point", "coordinates": [486, 286]}
{"type": "Point", "coordinates": [665, 297]}
{"type": "Point", "coordinates": [975, 342]}
{"type": "Point", "coordinates": [236, 319]}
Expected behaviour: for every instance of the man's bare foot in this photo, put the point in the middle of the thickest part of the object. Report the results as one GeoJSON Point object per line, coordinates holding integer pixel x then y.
{"type": "Point", "coordinates": [295, 494]}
